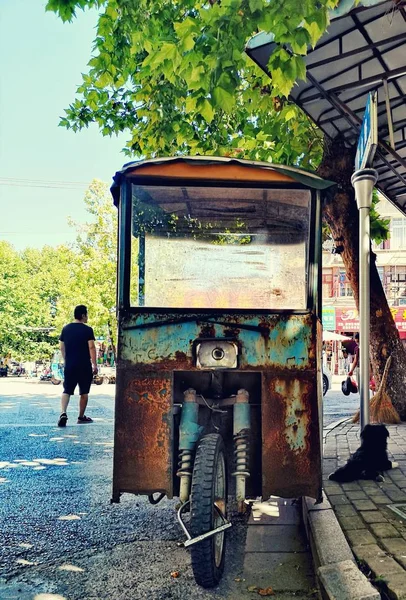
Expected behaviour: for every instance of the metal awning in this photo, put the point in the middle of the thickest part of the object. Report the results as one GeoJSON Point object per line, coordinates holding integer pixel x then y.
{"type": "Point", "coordinates": [363, 50]}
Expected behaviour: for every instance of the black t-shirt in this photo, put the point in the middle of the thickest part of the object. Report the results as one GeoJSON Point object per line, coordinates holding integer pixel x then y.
{"type": "Point", "coordinates": [76, 336]}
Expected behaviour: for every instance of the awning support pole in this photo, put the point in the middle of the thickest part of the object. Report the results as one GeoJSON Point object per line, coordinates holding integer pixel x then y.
{"type": "Point", "coordinates": [389, 114]}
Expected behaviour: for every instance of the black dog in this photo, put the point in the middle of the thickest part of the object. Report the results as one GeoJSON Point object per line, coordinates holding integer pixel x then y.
{"type": "Point", "coordinates": [369, 460]}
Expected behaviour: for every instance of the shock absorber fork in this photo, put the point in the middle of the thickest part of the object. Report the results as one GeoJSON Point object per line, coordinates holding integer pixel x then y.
{"type": "Point", "coordinates": [189, 433]}
{"type": "Point", "coordinates": [241, 431]}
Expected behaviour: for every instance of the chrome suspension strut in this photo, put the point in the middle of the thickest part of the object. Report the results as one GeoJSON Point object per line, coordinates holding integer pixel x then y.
{"type": "Point", "coordinates": [189, 432]}
{"type": "Point", "coordinates": [241, 431]}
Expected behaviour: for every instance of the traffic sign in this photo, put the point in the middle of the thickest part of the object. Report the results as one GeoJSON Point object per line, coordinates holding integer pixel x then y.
{"type": "Point", "coordinates": [368, 137]}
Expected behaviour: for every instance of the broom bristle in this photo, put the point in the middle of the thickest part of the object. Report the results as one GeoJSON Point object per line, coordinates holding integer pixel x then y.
{"type": "Point", "coordinates": [384, 411]}
{"type": "Point", "coordinates": [387, 414]}
{"type": "Point", "coordinates": [381, 400]}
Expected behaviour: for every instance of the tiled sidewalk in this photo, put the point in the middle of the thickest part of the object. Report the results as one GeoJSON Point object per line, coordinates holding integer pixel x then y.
{"type": "Point", "coordinates": [376, 534]}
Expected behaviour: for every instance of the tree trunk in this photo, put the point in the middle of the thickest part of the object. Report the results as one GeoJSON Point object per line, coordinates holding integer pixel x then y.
{"type": "Point", "coordinates": [341, 214]}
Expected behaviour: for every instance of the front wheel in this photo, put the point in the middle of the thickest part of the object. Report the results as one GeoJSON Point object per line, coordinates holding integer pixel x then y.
{"type": "Point", "coordinates": [56, 381]}
{"type": "Point", "coordinates": [208, 498]}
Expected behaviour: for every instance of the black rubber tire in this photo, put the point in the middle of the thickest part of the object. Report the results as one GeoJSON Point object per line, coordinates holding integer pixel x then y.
{"type": "Point", "coordinates": [325, 385]}
{"type": "Point", "coordinates": [55, 381]}
{"type": "Point", "coordinates": [202, 512]}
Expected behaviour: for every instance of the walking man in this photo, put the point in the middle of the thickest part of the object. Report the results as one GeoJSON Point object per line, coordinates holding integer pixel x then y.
{"type": "Point", "coordinates": [79, 353]}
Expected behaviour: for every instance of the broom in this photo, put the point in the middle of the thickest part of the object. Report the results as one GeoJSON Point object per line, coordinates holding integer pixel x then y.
{"type": "Point", "coordinates": [381, 407]}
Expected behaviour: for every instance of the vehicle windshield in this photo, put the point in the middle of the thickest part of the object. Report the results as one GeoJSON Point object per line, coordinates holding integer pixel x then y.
{"type": "Point", "coordinates": [219, 247]}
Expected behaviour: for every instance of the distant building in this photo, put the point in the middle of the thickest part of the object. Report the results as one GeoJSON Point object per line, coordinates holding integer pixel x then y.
{"type": "Point", "coordinates": [339, 311]}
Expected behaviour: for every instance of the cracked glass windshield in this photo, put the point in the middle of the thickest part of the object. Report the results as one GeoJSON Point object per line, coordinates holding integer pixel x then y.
{"type": "Point", "coordinates": [219, 247]}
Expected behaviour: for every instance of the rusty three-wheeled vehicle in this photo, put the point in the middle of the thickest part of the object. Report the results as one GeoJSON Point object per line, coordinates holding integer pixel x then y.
{"type": "Point", "coordinates": [219, 385]}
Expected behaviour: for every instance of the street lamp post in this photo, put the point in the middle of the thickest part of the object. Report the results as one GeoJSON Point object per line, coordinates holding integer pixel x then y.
{"type": "Point", "coordinates": [363, 182]}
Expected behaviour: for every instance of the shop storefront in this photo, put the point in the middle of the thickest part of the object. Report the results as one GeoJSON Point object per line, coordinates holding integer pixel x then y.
{"type": "Point", "coordinates": [345, 320]}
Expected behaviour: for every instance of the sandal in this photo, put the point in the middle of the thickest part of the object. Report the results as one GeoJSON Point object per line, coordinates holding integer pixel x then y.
{"type": "Point", "coordinates": [62, 420]}
{"type": "Point", "coordinates": [85, 419]}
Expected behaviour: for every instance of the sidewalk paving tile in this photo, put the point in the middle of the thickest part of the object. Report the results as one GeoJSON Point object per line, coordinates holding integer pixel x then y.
{"type": "Point", "coordinates": [364, 504]}
{"type": "Point", "coordinates": [345, 582]}
{"type": "Point", "coordinates": [345, 510]}
{"type": "Point", "coordinates": [369, 486]}
{"type": "Point", "coordinates": [348, 523]}
{"type": "Point", "coordinates": [379, 562]}
{"type": "Point", "coordinates": [383, 530]}
{"type": "Point", "coordinates": [373, 516]}
{"type": "Point", "coordinates": [359, 537]}
{"type": "Point", "coordinates": [336, 500]}
{"type": "Point", "coordinates": [358, 495]}
{"type": "Point", "coordinates": [381, 499]}
{"type": "Point", "coordinates": [396, 583]}
{"type": "Point", "coordinates": [332, 488]}
{"type": "Point", "coordinates": [351, 487]}
{"type": "Point", "coordinates": [397, 496]}
{"type": "Point", "coordinates": [396, 475]}
{"type": "Point", "coordinates": [396, 547]}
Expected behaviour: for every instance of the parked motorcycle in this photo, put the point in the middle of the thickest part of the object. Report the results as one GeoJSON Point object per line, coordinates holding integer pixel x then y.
{"type": "Point", "coordinates": [16, 369]}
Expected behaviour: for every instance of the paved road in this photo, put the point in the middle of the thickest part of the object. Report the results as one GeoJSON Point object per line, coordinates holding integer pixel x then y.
{"type": "Point", "coordinates": [337, 406]}
{"type": "Point", "coordinates": [59, 534]}
{"type": "Point", "coordinates": [56, 521]}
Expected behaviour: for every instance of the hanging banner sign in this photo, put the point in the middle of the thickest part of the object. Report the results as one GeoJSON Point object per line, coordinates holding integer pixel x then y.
{"type": "Point", "coordinates": [347, 319]}
{"type": "Point", "coordinates": [329, 318]}
{"type": "Point", "coordinates": [368, 137]}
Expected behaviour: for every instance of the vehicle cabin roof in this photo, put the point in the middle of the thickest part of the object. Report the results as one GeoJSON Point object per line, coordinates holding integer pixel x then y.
{"type": "Point", "coordinates": [216, 170]}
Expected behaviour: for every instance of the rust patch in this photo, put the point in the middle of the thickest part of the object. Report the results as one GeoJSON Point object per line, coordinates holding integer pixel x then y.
{"type": "Point", "coordinates": [181, 357]}
{"type": "Point", "coordinates": [291, 454]}
{"type": "Point", "coordinates": [231, 333]}
{"type": "Point", "coordinates": [207, 331]}
{"type": "Point", "coordinates": [143, 459]}
{"type": "Point", "coordinates": [264, 329]}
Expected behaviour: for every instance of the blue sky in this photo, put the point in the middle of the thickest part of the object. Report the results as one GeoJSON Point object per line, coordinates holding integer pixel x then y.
{"type": "Point", "coordinates": [45, 169]}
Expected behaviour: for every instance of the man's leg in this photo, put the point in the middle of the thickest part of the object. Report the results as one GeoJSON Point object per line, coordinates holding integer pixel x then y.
{"type": "Point", "coordinates": [83, 398]}
{"type": "Point", "coordinates": [64, 406]}
{"type": "Point", "coordinates": [69, 385]}
{"type": "Point", "coordinates": [64, 402]}
{"type": "Point", "coordinates": [85, 381]}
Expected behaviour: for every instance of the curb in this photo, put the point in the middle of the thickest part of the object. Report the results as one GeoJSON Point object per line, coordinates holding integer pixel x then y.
{"type": "Point", "coordinates": [337, 573]}
{"type": "Point", "coordinates": [329, 428]}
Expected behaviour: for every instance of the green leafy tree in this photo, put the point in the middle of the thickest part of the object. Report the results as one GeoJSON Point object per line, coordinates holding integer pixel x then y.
{"type": "Point", "coordinates": [12, 301]}
{"type": "Point", "coordinates": [39, 288]}
{"type": "Point", "coordinates": [174, 76]}
{"type": "Point", "coordinates": [94, 268]}
{"type": "Point", "coordinates": [49, 272]}
{"type": "Point", "coordinates": [30, 289]}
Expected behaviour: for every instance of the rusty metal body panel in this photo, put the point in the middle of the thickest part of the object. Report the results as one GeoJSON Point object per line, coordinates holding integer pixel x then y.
{"type": "Point", "coordinates": [281, 347]}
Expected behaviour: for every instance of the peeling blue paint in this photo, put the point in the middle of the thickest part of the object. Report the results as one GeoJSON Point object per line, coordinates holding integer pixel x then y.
{"type": "Point", "coordinates": [284, 340]}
